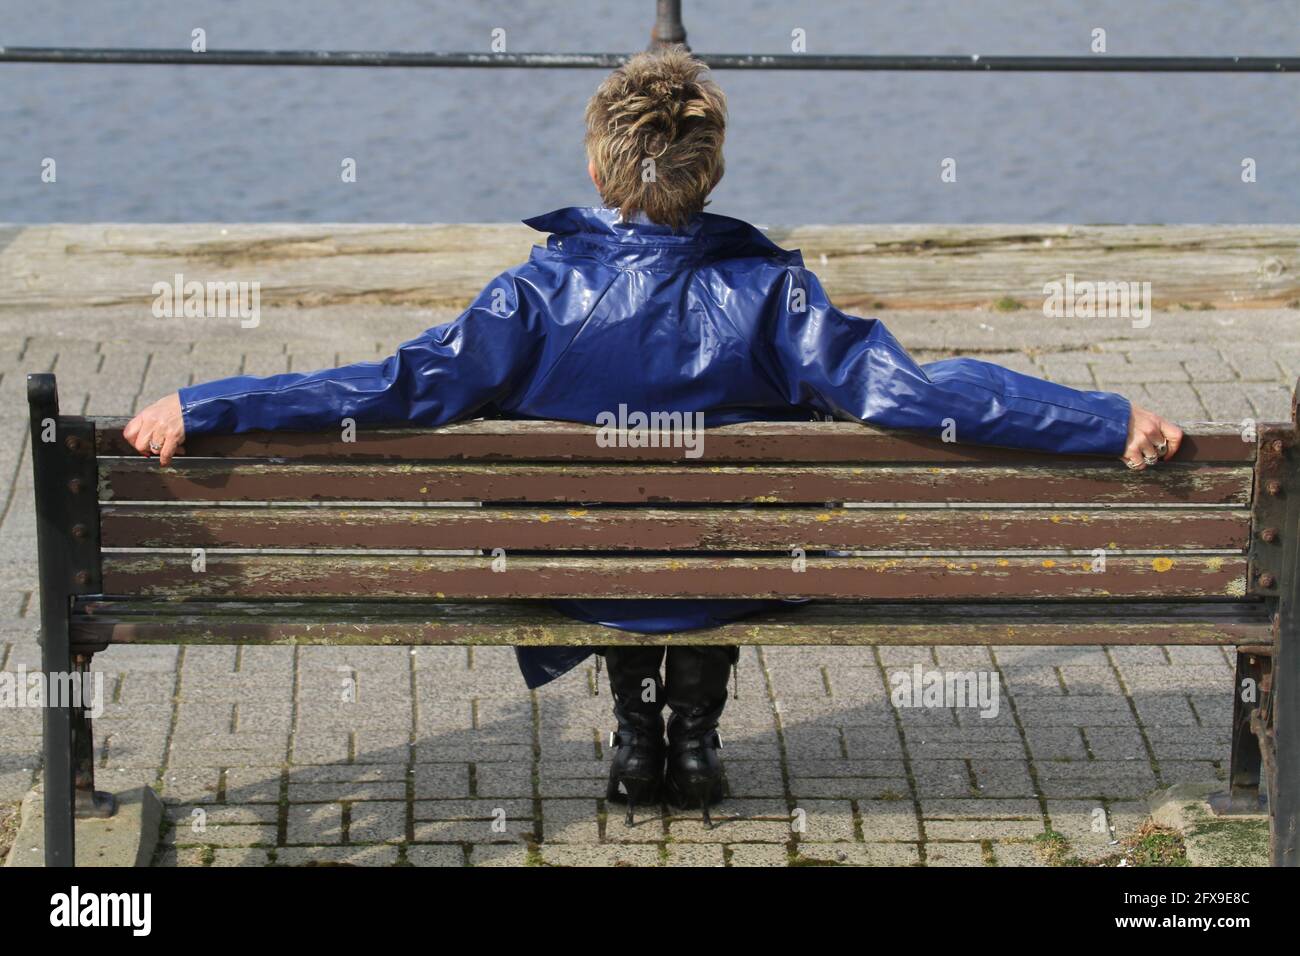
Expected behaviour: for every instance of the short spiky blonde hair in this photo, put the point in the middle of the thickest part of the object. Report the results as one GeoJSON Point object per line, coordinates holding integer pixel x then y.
{"type": "Point", "coordinates": [659, 106]}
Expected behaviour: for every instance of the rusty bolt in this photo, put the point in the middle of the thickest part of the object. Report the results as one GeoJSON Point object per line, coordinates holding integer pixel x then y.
{"type": "Point", "coordinates": [1273, 487]}
{"type": "Point", "coordinates": [1267, 580]}
{"type": "Point", "coordinates": [1276, 445]}
{"type": "Point", "coordinates": [83, 577]}
{"type": "Point", "coordinates": [78, 530]}
{"type": "Point", "coordinates": [74, 486]}
{"type": "Point", "coordinates": [1269, 535]}
{"type": "Point", "coordinates": [73, 442]}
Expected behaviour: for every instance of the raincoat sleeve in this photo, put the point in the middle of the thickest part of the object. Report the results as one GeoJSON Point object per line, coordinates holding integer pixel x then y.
{"type": "Point", "coordinates": [854, 368]}
{"type": "Point", "coordinates": [450, 372]}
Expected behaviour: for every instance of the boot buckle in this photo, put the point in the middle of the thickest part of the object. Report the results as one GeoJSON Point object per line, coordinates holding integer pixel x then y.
{"type": "Point", "coordinates": [613, 739]}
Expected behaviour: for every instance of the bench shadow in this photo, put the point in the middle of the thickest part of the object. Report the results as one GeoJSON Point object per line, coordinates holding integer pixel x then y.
{"type": "Point", "coordinates": [519, 777]}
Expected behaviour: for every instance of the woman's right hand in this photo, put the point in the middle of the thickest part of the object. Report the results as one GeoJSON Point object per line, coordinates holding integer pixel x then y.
{"type": "Point", "coordinates": [1150, 439]}
{"type": "Point", "coordinates": [158, 430]}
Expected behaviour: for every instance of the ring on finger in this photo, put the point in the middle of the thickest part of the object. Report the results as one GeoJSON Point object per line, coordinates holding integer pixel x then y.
{"type": "Point", "coordinates": [1162, 448]}
{"type": "Point", "coordinates": [1150, 459]}
{"type": "Point", "coordinates": [1133, 465]}
{"type": "Point", "coordinates": [155, 447]}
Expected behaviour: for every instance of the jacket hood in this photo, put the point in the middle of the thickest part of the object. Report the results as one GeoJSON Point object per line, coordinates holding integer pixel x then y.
{"type": "Point", "coordinates": [600, 232]}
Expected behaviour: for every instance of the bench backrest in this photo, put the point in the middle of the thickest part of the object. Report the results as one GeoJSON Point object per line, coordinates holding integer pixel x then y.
{"type": "Point", "coordinates": [499, 509]}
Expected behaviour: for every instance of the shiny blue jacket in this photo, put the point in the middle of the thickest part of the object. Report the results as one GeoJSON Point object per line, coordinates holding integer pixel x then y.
{"type": "Point", "coordinates": [714, 318]}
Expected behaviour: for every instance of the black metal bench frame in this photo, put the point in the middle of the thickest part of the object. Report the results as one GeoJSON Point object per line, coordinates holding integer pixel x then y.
{"type": "Point", "coordinates": [74, 479]}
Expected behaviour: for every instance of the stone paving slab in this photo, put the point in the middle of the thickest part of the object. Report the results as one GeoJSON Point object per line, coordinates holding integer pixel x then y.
{"type": "Point", "coordinates": [442, 758]}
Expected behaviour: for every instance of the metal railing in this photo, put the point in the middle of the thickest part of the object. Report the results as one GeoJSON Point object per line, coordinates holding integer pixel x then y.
{"type": "Point", "coordinates": [668, 30]}
{"type": "Point", "coordinates": [608, 61]}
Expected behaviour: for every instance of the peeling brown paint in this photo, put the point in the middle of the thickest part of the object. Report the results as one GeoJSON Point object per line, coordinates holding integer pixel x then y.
{"type": "Point", "coordinates": [1092, 483]}
{"type": "Point", "coordinates": [506, 440]}
{"type": "Point", "coordinates": [537, 624]}
{"type": "Point", "coordinates": [766, 488]}
{"type": "Point", "coordinates": [669, 529]}
{"type": "Point", "coordinates": [919, 578]}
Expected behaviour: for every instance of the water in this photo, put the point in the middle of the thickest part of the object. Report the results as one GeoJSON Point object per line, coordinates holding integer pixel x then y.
{"type": "Point", "coordinates": [169, 144]}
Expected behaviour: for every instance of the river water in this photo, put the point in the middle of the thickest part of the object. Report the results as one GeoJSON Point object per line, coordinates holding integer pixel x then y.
{"type": "Point", "coordinates": [168, 143]}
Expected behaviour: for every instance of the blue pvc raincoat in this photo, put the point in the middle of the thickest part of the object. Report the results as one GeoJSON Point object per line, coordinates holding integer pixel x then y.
{"type": "Point", "coordinates": [714, 318]}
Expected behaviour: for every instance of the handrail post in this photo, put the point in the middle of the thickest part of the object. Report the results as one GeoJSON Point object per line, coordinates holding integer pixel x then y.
{"type": "Point", "coordinates": [668, 30]}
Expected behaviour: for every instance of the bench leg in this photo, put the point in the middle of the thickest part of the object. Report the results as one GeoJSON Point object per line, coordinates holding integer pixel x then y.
{"type": "Point", "coordinates": [1282, 748]}
{"type": "Point", "coordinates": [1243, 793]}
{"type": "Point", "coordinates": [56, 659]}
{"type": "Point", "coordinates": [1284, 790]}
{"type": "Point", "coordinates": [89, 801]}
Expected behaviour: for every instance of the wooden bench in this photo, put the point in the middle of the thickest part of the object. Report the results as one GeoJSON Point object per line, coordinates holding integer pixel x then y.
{"type": "Point", "coordinates": [951, 544]}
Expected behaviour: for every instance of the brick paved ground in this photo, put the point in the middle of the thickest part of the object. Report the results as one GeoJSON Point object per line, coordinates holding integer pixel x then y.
{"type": "Point", "coordinates": [441, 742]}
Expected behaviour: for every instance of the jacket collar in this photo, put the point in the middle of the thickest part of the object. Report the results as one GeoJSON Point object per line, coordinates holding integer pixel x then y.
{"type": "Point", "coordinates": [638, 242]}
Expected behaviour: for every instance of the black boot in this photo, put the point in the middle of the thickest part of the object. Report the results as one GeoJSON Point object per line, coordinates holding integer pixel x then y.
{"type": "Point", "coordinates": [697, 693]}
{"type": "Point", "coordinates": [637, 771]}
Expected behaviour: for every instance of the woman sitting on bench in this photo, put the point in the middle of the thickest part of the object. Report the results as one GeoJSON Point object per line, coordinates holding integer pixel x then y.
{"type": "Point", "coordinates": [650, 303]}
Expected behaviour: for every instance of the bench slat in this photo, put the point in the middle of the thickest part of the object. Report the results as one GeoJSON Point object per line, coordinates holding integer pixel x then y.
{"type": "Point", "coordinates": [525, 623]}
{"type": "Point", "coordinates": [139, 479]}
{"type": "Point", "coordinates": [512, 440]}
{"type": "Point", "coordinates": [340, 576]}
{"type": "Point", "coordinates": [666, 529]}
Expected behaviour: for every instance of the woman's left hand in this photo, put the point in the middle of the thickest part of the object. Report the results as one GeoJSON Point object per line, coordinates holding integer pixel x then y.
{"type": "Point", "coordinates": [158, 430]}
